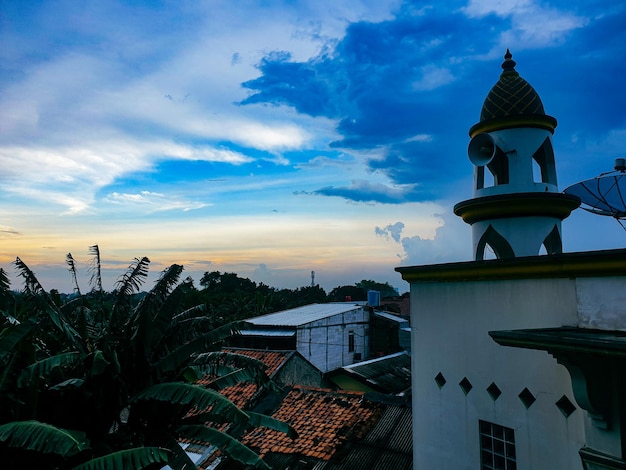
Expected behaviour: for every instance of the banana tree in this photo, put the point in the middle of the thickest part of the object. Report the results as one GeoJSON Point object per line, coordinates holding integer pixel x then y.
{"type": "Point", "coordinates": [113, 383]}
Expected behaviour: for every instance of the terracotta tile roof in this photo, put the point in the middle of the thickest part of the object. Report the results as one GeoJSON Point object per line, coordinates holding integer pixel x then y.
{"type": "Point", "coordinates": [241, 394]}
{"type": "Point", "coordinates": [272, 359]}
{"type": "Point", "coordinates": [324, 420]}
{"type": "Point", "coordinates": [388, 445]}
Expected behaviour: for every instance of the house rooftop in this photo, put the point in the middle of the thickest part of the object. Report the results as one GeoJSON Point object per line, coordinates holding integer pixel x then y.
{"type": "Point", "coordinates": [323, 419]}
{"type": "Point", "coordinates": [241, 394]}
{"type": "Point", "coordinates": [302, 315]}
{"type": "Point", "coordinates": [388, 445]}
{"type": "Point", "coordinates": [391, 317]}
{"type": "Point", "coordinates": [388, 374]}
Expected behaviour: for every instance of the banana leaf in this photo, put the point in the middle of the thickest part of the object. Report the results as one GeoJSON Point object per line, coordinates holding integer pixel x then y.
{"type": "Point", "coordinates": [182, 393]}
{"type": "Point", "coordinates": [258, 419]}
{"type": "Point", "coordinates": [43, 368]}
{"type": "Point", "coordinates": [43, 437]}
{"type": "Point", "coordinates": [12, 335]}
{"type": "Point", "coordinates": [230, 446]}
{"type": "Point", "coordinates": [129, 459]}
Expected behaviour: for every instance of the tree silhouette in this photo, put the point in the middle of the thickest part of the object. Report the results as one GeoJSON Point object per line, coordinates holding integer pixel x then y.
{"type": "Point", "coordinates": [108, 381]}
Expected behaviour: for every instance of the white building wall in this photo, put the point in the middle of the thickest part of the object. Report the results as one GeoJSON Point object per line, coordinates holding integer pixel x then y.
{"type": "Point", "coordinates": [601, 303]}
{"type": "Point", "coordinates": [450, 324]}
{"type": "Point", "coordinates": [525, 234]}
{"type": "Point", "coordinates": [325, 342]}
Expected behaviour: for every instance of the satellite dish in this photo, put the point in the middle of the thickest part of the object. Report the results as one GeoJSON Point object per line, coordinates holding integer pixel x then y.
{"type": "Point", "coordinates": [604, 194]}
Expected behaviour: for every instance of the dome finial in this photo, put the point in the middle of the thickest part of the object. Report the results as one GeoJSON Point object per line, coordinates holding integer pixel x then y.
{"type": "Point", "coordinates": [509, 64]}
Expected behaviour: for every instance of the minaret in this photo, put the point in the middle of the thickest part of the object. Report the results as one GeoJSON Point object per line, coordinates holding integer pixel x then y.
{"type": "Point", "coordinates": [516, 207]}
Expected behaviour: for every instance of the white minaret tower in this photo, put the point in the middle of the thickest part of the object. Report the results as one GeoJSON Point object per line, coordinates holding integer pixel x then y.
{"type": "Point", "coordinates": [516, 209]}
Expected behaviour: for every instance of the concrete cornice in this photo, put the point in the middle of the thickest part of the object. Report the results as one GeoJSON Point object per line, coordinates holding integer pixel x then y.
{"type": "Point", "coordinates": [603, 263]}
{"type": "Point", "coordinates": [508, 122]}
{"type": "Point", "coordinates": [498, 206]}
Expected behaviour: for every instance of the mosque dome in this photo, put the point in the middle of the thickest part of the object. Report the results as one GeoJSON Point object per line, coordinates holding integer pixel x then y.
{"type": "Point", "coordinates": [512, 102]}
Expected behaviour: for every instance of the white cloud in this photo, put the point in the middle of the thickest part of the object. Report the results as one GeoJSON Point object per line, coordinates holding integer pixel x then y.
{"type": "Point", "coordinates": [420, 138]}
{"type": "Point", "coordinates": [79, 121]}
{"type": "Point", "coordinates": [392, 230]}
{"type": "Point", "coordinates": [71, 176]}
{"type": "Point", "coordinates": [451, 241]}
{"type": "Point", "coordinates": [480, 8]}
{"type": "Point", "coordinates": [154, 202]}
{"type": "Point", "coordinates": [433, 77]}
{"type": "Point", "coordinates": [532, 24]}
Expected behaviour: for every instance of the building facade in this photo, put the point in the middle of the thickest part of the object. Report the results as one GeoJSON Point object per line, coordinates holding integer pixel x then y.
{"type": "Point", "coordinates": [554, 399]}
{"type": "Point", "coordinates": [327, 335]}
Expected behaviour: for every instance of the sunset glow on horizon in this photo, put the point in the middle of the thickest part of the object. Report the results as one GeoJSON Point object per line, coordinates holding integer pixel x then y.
{"type": "Point", "coordinates": [277, 138]}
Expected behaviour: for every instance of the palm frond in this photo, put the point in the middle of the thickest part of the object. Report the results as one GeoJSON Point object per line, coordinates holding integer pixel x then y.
{"type": "Point", "coordinates": [99, 363]}
{"type": "Point", "coordinates": [11, 335]}
{"type": "Point", "coordinates": [68, 384]}
{"type": "Point", "coordinates": [11, 400]}
{"type": "Point", "coordinates": [230, 446]}
{"type": "Point", "coordinates": [126, 286]}
{"type": "Point", "coordinates": [34, 288]}
{"type": "Point", "coordinates": [164, 285]}
{"type": "Point", "coordinates": [5, 283]}
{"type": "Point", "coordinates": [43, 437]}
{"type": "Point", "coordinates": [258, 419]}
{"type": "Point", "coordinates": [191, 326]}
{"type": "Point", "coordinates": [43, 368]}
{"type": "Point", "coordinates": [181, 331]}
{"type": "Point", "coordinates": [151, 321]}
{"type": "Point", "coordinates": [233, 378]}
{"type": "Point", "coordinates": [132, 459]}
{"type": "Point", "coordinates": [31, 283]}
{"type": "Point", "coordinates": [174, 360]}
{"type": "Point", "coordinates": [133, 278]}
{"type": "Point", "coordinates": [178, 294]}
{"type": "Point", "coordinates": [95, 280]}
{"type": "Point", "coordinates": [193, 395]}
{"type": "Point", "coordinates": [167, 281]}
{"type": "Point", "coordinates": [239, 361]}
{"type": "Point", "coordinates": [69, 259]}
{"type": "Point", "coordinates": [232, 368]}
{"type": "Point", "coordinates": [179, 460]}
{"type": "Point", "coordinates": [10, 319]}
{"type": "Point", "coordinates": [190, 313]}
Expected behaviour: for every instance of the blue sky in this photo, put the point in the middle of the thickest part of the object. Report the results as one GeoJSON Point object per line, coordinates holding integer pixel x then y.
{"type": "Point", "coordinates": [275, 138]}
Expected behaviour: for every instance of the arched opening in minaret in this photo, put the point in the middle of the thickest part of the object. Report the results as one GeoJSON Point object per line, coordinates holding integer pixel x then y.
{"type": "Point", "coordinates": [544, 170]}
{"type": "Point", "coordinates": [493, 242]}
{"type": "Point", "coordinates": [497, 171]}
{"type": "Point", "coordinates": [553, 243]}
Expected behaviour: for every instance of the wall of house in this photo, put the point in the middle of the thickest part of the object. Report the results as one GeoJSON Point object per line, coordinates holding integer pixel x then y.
{"type": "Point", "coordinates": [385, 336]}
{"type": "Point", "coordinates": [325, 343]}
{"type": "Point", "coordinates": [297, 371]}
{"type": "Point", "coordinates": [450, 324]}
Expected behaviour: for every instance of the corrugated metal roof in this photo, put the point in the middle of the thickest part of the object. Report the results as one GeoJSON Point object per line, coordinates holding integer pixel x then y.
{"type": "Point", "coordinates": [303, 315]}
{"type": "Point", "coordinates": [388, 445]}
{"type": "Point", "coordinates": [392, 317]}
{"type": "Point", "coordinates": [277, 333]}
{"type": "Point", "coordinates": [388, 374]}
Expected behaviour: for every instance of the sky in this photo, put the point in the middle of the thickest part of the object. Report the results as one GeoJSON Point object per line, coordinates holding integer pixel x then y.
{"type": "Point", "coordinates": [276, 138]}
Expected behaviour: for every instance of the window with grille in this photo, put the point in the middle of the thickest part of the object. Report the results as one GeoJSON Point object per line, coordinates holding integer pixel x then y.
{"type": "Point", "coordinates": [497, 447]}
{"type": "Point", "coordinates": [351, 341]}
